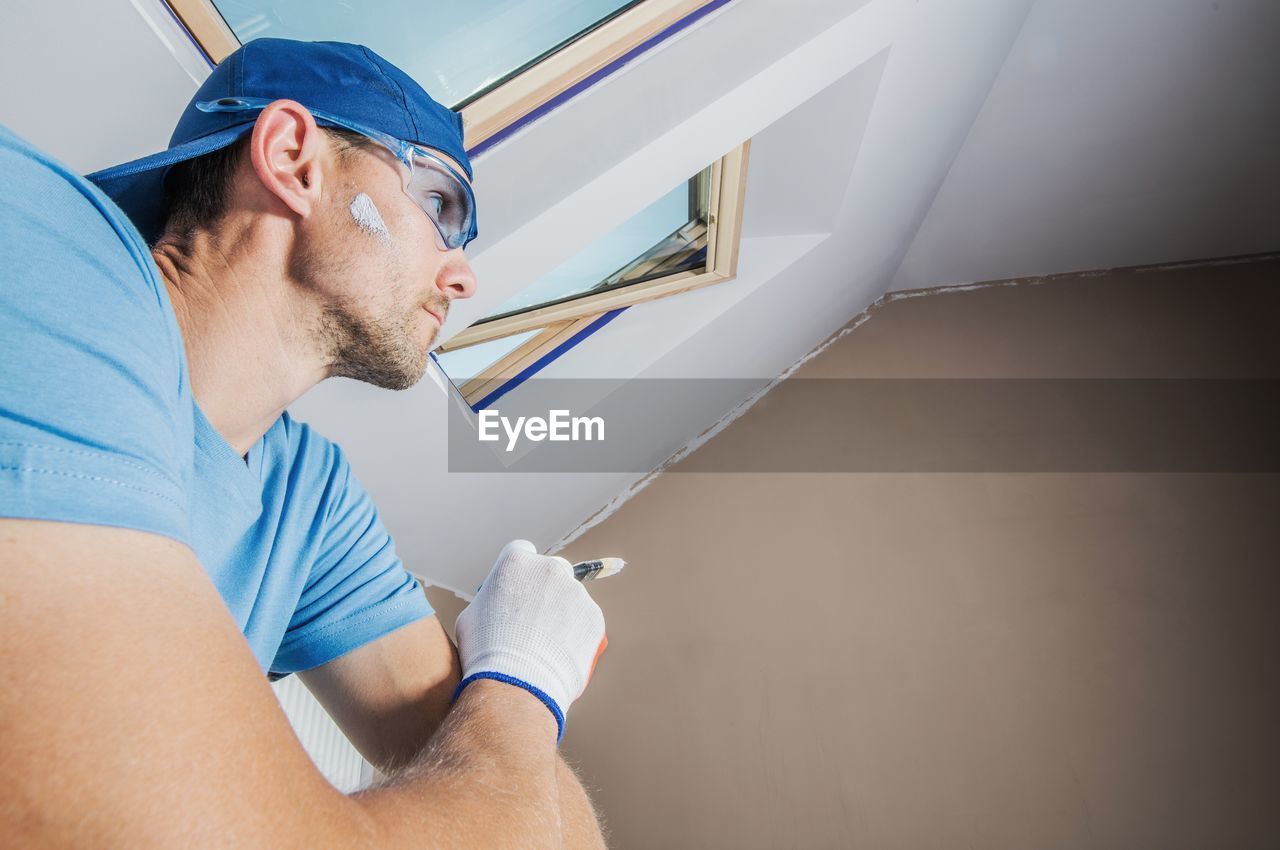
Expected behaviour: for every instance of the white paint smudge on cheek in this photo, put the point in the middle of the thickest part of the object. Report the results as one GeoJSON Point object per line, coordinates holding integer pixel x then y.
{"type": "Point", "coordinates": [366, 215]}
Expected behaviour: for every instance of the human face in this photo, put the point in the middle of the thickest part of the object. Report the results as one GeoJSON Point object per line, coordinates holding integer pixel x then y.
{"type": "Point", "coordinates": [384, 282]}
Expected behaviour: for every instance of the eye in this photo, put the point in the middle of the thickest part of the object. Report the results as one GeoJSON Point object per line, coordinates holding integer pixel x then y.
{"type": "Point", "coordinates": [431, 200]}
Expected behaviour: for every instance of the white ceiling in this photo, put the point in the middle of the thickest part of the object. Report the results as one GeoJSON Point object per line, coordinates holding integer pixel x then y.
{"type": "Point", "coordinates": [877, 136]}
{"type": "Point", "coordinates": [1117, 134]}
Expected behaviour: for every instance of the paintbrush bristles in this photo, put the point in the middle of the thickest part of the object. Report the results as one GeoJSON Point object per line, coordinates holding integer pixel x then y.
{"type": "Point", "coordinates": [611, 566]}
{"type": "Point", "coordinates": [598, 568]}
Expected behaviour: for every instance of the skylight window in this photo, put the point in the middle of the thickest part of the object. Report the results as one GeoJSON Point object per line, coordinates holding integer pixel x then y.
{"type": "Point", "coordinates": [456, 50]}
{"type": "Point", "coordinates": [497, 61]}
{"type": "Point", "coordinates": [686, 239]}
{"type": "Point", "coordinates": [668, 237]}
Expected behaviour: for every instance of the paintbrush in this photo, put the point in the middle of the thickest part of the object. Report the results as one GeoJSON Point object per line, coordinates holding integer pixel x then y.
{"type": "Point", "coordinates": [597, 568]}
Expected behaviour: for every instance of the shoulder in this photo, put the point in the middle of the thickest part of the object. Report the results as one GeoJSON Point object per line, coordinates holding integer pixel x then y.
{"type": "Point", "coordinates": [52, 217]}
{"type": "Point", "coordinates": [71, 263]}
{"type": "Point", "coordinates": [95, 411]}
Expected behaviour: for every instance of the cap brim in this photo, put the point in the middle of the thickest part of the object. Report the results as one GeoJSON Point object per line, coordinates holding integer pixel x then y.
{"type": "Point", "coordinates": [137, 187]}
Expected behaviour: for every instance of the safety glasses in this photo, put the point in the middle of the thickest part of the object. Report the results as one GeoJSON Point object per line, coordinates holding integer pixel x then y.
{"type": "Point", "coordinates": [432, 183]}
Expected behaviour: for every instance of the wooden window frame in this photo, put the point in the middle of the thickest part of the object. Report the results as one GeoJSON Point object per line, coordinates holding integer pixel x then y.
{"type": "Point", "coordinates": [494, 110]}
{"type": "Point", "coordinates": [724, 224]}
{"type": "Point", "coordinates": [560, 322]}
{"type": "Point", "coordinates": [507, 367]}
{"type": "Point", "coordinates": [207, 26]}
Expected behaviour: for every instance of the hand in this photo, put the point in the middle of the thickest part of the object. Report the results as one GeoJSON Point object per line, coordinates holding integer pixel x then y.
{"type": "Point", "coordinates": [533, 625]}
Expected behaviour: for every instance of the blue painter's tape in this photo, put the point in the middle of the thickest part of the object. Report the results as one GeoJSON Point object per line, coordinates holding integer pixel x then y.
{"type": "Point", "coordinates": [191, 37]}
{"type": "Point", "coordinates": [546, 360]}
{"type": "Point", "coordinates": [595, 77]}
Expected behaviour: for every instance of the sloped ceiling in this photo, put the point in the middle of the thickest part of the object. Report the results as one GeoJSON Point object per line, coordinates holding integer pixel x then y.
{"type": "Point", "coordinates": [1117, 134]}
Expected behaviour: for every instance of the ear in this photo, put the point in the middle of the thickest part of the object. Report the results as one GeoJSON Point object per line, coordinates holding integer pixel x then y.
{"type": "Point", "coordinates": [286, 149]}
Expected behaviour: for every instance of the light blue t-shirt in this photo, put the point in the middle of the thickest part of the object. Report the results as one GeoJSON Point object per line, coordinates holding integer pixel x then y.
{"type": "Point", "coordinates": [98, 425]}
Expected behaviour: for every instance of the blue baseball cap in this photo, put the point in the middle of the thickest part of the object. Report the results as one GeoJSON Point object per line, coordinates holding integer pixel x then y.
{"type": "Point", "coordinates": [347, 80]}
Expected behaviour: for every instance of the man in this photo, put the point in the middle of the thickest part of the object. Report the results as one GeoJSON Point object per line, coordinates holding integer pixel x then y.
{"type": "Point", "coordinates": [170, 534]}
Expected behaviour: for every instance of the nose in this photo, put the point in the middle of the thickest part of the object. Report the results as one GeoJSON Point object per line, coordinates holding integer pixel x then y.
{"type": "Point", "coordinates": [456, 279]}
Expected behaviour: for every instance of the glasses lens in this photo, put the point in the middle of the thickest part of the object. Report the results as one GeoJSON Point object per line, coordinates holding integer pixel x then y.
{"type": "Point", "coordinates": [445, 199]}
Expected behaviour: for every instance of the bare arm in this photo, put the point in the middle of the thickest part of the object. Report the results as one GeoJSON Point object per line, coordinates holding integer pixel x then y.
{"type": "Point", "coordinates": [132, 714]}
{"type": "Point", "coordinates": [390, 696]}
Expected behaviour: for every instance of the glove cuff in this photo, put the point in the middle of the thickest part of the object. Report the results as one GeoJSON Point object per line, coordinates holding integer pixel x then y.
{"type": "Point", "coordinates": [519, 683]}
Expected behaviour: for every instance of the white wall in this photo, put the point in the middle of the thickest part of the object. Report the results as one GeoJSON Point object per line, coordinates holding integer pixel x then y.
{"type": "Point", "coordinates": [94, 82]}
{"type": "Point", "coordinates": [1118, 134]}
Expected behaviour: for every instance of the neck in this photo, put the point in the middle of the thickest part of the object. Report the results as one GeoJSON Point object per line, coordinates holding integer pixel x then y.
{"type": "Point", "coordinates": [248, 353]}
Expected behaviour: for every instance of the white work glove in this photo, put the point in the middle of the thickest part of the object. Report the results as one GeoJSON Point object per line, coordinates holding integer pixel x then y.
{"type": "Point", "coordinates": [533, 625]}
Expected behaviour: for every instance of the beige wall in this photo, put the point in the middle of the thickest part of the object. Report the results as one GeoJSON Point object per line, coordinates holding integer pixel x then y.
{"type": "Point", "coordinates": [977, 660]}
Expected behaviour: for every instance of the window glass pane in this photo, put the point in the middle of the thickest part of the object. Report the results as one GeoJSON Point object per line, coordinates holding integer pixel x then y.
{"type": "Point", "coordinates": [465, 363]}
{"type": "Point", "coordinates": [455, 50]}
{"type": "Point", "coordinates": [667, 237]}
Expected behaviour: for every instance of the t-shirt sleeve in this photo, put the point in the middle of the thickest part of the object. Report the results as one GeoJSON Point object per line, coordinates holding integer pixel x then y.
{"type": "Point", "coordinates": [358, 589]}
{"type": "Point", "coordinates": [90, 378]}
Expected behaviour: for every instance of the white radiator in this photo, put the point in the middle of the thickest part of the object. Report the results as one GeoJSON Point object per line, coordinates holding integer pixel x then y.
{"type": "Point", "coordinates": [337, 759]}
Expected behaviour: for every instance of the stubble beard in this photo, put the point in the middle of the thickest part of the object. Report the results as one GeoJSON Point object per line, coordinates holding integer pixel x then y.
{"type": "Point", "coordinates": [383, 351]}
